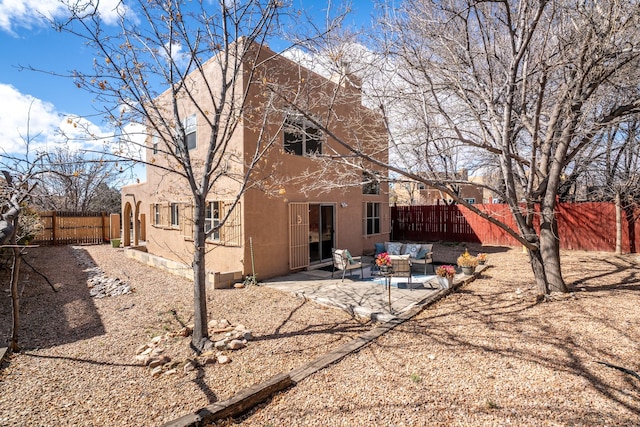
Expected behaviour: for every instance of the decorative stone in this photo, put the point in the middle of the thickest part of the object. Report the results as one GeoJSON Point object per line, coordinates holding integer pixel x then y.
{"type": "Point", "coordinates": [156, 371]}
{"type": "Point", "coordinates": [142, 359]}
{"type": "Point", "coordinates": [171, 372]}
{"type": "Point", "coordinates": [220, 345]}
{"type": "Point", "coordinates": [189, 366]}
{"type": "Point", "coordinates": [209, 360]}
{"type": "Point", "coordinates": [235, 345]}
{"type": "Point", "coordinates": [157, 351]}
{"type": "Point", "coordinates": [247, 335]}
{"type": "Point", "coordinates": [223, 360]}
{"type": "Point", "coordinates": [159, 361]}
{"type": "Point", "coordinates": [156, 339]}
{"type": "Point", "coordinates": [142, 348]}
{"type": "Point", "coordinates": [223, 323]}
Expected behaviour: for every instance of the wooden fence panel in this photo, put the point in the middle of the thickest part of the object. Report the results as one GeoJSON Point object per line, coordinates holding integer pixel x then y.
{"type": "Point", "coordinates": [585, 226]}
{"type": "Point", "coordinates": [69, 228]}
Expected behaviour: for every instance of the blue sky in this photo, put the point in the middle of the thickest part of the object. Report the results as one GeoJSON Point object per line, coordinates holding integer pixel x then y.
{"type": "Point", "coordinates": [26, 39]}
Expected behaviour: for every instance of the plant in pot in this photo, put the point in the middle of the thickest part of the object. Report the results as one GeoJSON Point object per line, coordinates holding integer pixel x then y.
{"type": "Point", "coordinates": [383, 261]}
{"type": "Point", "coordinates": [445, 275]}
{"type": "Point", "coordinates": [482, 258]}
{"type": "Point", "coordinates": [467, 262]}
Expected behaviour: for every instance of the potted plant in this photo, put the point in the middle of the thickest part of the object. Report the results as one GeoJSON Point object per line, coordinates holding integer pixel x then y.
{"type": "Point", "coordinates": [482, 258]}
{"type": "Point", "coordinates": [383, 261]}
{"type": "Point", "coordinates": [467, 262]}
{"type": "Point", "coordinates": [445, 275]}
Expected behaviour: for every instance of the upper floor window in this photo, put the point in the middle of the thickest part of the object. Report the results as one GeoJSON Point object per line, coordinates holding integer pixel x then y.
{"type": "Point", "coordinates": [470, 200]}
{"type": "Point", "coordinates": [301, 137]}
{"type": "Point", "coordinates": [154, 146]}
{"type": "Point", "coordinates": [190, 131]}
{"type": "Point", "coordinates": [370, 184]}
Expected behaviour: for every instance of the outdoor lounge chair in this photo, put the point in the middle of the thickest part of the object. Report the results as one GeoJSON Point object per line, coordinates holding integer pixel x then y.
{"type": "Point", "coordinates": [342, 260]}
{"type": "Point", "coordinates": [401, 265]}
{"type": "Point", "coordinates": [427, 260]}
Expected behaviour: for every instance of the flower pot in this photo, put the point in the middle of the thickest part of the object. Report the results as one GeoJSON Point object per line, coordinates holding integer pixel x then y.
{"type": "Point", "coordinates": [468, 270]}
{"type": "Point", "coordinates": [445, 282]}
{"type": "Point", "coordinates": [384, 269]}
{"type": "Point", "coordinates": [115, 243]}
{"type": "Point", "coordinates": [481, 262]}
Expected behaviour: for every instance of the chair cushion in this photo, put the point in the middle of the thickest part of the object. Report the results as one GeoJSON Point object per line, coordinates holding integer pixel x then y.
{"type": "Point", "coordinates": [380, 248]}
{"type": "Point", "coordinates": [349, 257]}
{"type": "Point", "coordinates": [411, 249]}
{"type": "Point", "coordinates": [424, 250]}
{"type": "Point", "coordinates": [393, 248]}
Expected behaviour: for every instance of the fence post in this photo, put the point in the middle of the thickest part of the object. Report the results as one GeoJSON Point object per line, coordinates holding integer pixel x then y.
{"type": "Point", "coordinates": [53, 228]}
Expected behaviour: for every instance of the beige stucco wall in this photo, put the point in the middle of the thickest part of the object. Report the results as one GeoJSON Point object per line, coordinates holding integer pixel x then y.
{"type": "Point", "coordinates": [265, 210]}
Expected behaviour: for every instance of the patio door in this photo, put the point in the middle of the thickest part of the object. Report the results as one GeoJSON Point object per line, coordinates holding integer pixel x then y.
{"type": "Point", "coordinates": [321, 232]}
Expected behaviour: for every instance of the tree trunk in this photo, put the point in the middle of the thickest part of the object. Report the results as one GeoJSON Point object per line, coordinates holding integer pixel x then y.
{"type": "Point", "coordinates": [15, 297]}
{"type": "Point", "coordinates": [550, 249]}
{"type": "Point", "coordinates": [538, 268]}
{"type": "Point", "coordinates": [200, 335]}
{"type": "Point", "coordinates": [618, 223]}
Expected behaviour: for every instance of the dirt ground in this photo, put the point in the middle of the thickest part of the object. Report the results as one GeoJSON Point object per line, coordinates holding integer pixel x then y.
{"type": "Point", "coordinates": [488, 354]}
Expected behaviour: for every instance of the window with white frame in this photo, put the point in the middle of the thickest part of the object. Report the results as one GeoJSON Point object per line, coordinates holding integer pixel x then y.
{"type": "Point", "coordinates": [372, 219]}
{"type": "Point", "coordinates": [212, 220]}
{"type": "Point", "coordinates": [175, 215]}
{"type": "Point", "coordinates": [301, 137]}
{"type": "Point", "coordinates": [190, 131]}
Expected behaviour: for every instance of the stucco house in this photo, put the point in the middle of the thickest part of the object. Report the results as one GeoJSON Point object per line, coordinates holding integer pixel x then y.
{"type": "Point", "coordinates": [287, 223]}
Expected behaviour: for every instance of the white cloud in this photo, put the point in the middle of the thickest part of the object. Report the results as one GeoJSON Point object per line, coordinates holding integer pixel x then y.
{"type": "Point", "coordinates": [32, 13]}
{"type": "Point", "coordinates": [27, 13]}
{"type": "Point", "coordinates": [23, 116]}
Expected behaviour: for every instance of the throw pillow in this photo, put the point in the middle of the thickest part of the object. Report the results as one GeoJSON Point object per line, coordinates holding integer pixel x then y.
{"type": "Point", "coordinates": [394, 248]}
{"type": "Point", "coordinates": [424, 250]}
{"type": "Point", "coordinates": [411, 249]}
{"type": "Point", "coordinates": [349, 257]}
{"type": "Point", "coordinates": [380, 248]}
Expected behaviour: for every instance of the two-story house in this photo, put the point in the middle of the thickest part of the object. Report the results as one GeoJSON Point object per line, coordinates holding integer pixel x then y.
{"type": "Point", "coordinates": [288, 222]}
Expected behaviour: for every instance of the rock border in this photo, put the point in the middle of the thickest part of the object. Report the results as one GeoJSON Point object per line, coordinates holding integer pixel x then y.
{"type": "Point", "coordinates": [248, 398]}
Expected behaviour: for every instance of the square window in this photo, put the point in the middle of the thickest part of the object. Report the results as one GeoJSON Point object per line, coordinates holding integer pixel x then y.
{"type": "Point", "coordinates": [301, 138]}
{"type": "Point", "coordinates": [370, 184]}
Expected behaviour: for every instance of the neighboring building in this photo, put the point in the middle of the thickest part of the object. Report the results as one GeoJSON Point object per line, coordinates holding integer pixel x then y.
{"type": "Point", "coordinates": [415, 193]}
{"type": "Point", "coordinates": [274, 232]}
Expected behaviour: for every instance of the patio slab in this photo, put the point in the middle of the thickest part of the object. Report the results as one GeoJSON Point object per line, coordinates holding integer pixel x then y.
{"type": "Point", "coordinates": [361, 297]}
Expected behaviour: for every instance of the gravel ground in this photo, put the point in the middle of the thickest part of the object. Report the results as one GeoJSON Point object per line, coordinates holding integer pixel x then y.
{"type": "Point", "coordinates": [485, 355]}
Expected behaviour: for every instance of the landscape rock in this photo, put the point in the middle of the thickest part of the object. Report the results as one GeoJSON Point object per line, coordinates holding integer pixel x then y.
{"type": "Point", "coordinates": [235, 345]}
{"type": "Point", "coordinates": [223, 359]}
{"type": "Point", "coordinates": [159, 361]}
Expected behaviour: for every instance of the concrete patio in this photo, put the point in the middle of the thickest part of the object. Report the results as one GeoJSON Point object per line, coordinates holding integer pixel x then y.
{"type": "Point", "coordinates": [361, 297]}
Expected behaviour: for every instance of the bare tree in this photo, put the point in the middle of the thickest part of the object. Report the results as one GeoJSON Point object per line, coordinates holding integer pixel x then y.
{"type": "Point", "coordinates": [521, 86]}
{"type": "Point", "coordinates": [74, 180]}
{"type": "Point", "coordinates": [165, 56]}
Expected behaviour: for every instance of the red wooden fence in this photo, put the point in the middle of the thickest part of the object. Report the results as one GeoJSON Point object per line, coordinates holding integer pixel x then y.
{"type": "Point", "coordinates": [586, 226]}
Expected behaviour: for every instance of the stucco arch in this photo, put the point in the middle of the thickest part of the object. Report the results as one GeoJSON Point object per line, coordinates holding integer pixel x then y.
{"type": "Point", "coordinates": [126, 225]}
